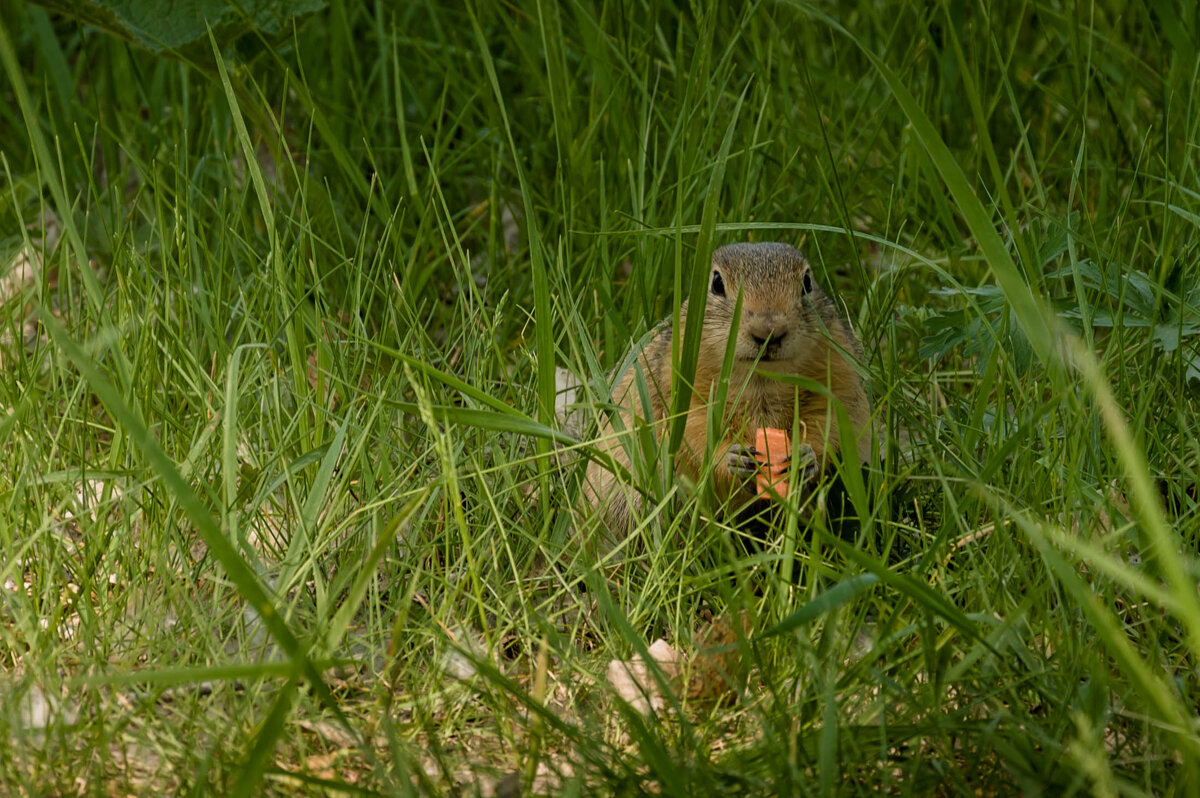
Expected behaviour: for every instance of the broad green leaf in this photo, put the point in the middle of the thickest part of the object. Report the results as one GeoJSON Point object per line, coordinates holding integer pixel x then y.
{"type": "Point", "coordinates": [188, 21]}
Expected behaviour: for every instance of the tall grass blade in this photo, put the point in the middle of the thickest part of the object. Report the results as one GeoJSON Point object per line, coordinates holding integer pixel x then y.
{"type": "Point", "coordinates": [1029, 310]}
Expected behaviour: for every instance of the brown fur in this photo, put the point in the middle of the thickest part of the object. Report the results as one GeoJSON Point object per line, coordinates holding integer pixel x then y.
{"type": "Point", "coordinates": [775, 307]}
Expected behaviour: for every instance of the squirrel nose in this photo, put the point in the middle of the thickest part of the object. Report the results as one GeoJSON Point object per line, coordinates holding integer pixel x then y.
{"type": "Point", "coordinates": [772, 338]}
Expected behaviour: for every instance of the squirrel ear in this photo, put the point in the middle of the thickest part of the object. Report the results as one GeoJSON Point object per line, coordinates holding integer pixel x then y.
{"type": "Point", "coordinates": [717, 286]}
{"type": "Point", "coordinates": [807, 282]}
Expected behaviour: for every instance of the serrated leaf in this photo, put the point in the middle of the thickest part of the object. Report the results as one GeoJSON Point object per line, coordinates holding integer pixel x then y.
{"type": "Point", "coordinates": [159, 27]}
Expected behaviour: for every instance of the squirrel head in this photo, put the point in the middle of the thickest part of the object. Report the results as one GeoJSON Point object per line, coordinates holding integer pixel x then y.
{"type": "Point", "coordinates": [784, 313]}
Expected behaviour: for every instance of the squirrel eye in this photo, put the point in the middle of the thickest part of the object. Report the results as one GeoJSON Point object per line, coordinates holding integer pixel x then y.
{"type": "Point", "coordinates": [718, 284]}
{"type": "Point", "coordinates": [807, 283]}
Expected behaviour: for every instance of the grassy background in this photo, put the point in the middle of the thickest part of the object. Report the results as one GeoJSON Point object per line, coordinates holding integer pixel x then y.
{"type": "Point", "coordinates": [279, 333]}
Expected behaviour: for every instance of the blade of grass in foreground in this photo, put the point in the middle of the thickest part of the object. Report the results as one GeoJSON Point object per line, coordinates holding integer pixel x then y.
{"type": "Point", "coordinates": [1029, 310]}
{"type": "Point", "coordinates": [1165, 540]}
{"type": "Point", "coordinates": [292, 326]}
{"type": "Point", "coordinates": [543, 329]}
{"type": "Point", "coordinates": [344, 616]}
{"type": "Point", "coordinates": [824, 603]}
{"type": "Point", "coordinates": [1162, 702]}
{"type": "Point", "coordinates": [263, 750]}
{"type": "Point", "coordinates": [237, 569]}
{"type": "Point", "coordinates": [300, 545]}
{"type": "Point", "coordinates": [46, 164]}
{"type": "Point", "coordinates": [688, 353]}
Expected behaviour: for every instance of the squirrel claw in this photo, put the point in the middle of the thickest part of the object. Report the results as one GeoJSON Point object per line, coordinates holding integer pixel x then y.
{"type": "Point", "coordinates": [741, 461]}
{"type": "Point", "coordinates": [807, 458]}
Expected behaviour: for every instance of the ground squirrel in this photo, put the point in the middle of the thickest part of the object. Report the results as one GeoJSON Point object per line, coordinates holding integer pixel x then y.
{"type": "Point", "coordinates": [788, 326]}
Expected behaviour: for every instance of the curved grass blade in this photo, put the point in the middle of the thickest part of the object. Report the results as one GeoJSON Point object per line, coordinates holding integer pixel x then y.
{"type": "Point", "coordinates": [543, 329]}
{"type": "Point", "coordinates": [46, 164]}
{"type": "Point", "coordinates": [688, 353]}
{"type": "Point", "coordinates": [237, 569]}
{"type": "Point", "coordinates": [1029, 309]}
{"type": "Point", "coordinates": [832, 598]}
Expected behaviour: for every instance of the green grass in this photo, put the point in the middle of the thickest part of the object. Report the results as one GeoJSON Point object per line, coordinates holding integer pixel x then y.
{"type": "Point", "coordinates": [278, 425]}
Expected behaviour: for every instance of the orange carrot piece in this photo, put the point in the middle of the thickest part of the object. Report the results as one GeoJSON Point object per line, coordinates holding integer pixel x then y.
{"type": "Point", "coordinates": [773, 449]}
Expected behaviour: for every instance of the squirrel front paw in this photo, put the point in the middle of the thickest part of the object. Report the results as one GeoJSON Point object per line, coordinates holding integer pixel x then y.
{"type": "Point", "coordinates": [742, 462]}
{"type": "Point", "coordinates": [805, 459]}
{"type": "Point", "coordinates": [751, 469]}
